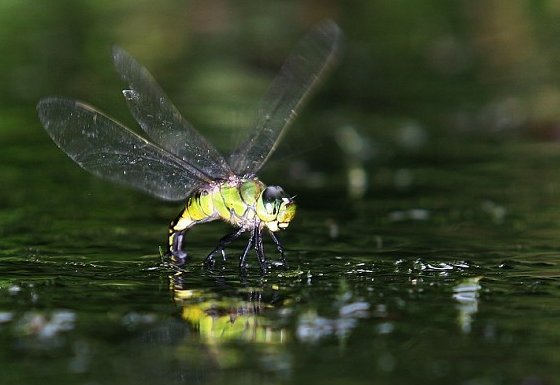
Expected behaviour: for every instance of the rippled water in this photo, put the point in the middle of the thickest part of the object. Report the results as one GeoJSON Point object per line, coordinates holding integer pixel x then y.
{"type": "Point", "coordinates": [452, 278]}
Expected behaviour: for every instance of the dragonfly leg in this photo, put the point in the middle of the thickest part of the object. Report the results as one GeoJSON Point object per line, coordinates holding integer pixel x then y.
{"type": "Point", "coordinates": [222, 245]}
{"type": "Point", "coordinates": [242, 260]}
{"type": "Point", "coordinates": [259, 248]}
{"type": "Point", "coordinates": [278, 247]}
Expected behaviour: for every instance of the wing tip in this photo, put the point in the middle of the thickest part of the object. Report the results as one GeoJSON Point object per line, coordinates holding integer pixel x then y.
{"type": "Point", "coordinates": [44, 103]}
{"type": "Point", "coordinates": [331, 35]}
{"type": "Point", "coordinates": [51, 102]}
{"type": "Point", "coordinates": [119, 54]}
{"type": "Point", "coordinates": [46, 106]}
{"type": "Point", "coordinates": [330, 26]}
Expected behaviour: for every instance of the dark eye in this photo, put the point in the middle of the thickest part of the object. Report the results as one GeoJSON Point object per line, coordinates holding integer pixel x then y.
{"type": "Point", "coordinates": [273, 193]}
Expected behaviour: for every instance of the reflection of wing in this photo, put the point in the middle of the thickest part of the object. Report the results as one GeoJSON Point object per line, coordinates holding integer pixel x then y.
{"type": "Point", "coordinates": [108, 149]}
{"type": "Point", "coordinates": [161, 120]}
{"type": "Point", "coordinates": [299, 74]}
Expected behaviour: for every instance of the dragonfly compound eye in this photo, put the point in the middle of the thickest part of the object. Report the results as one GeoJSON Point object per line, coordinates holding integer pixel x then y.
{"type": "Point", "coordinates": [272, 194]}
{"type": "Point", "coordinates": [271, 198]}
{"type": "Point", "coordinates": [276, 208]}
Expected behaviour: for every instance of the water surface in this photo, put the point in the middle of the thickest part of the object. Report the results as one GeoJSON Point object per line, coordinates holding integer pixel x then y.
{"type": "Point", "coordinates": [452, 278]}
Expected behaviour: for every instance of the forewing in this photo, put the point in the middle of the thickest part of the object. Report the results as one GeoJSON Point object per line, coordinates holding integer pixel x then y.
{"type": "Point", "coordinates": [163, 123]}
{"type": "Point", "coordinates": [280, 104]}
{"type": "Point", "coordinates": [108, 149]}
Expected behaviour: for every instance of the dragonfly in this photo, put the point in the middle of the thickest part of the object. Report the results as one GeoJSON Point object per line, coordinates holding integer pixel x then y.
{"type": "Point", "coordinates": [173, 161]}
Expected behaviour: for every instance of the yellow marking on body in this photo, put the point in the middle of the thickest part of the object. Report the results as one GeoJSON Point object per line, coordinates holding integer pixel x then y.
{"type": "Point", "coordinates": [183, 223]}
{"type": "Point", "coordinates": [272, 226]}
{"type": "Point", "coordinates": [200, 205]}
{"type": "Point", "coordinates": [219, 204]}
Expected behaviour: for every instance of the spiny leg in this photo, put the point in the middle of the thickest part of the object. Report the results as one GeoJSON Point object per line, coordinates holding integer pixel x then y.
{"type": "Point", "coordinates": [250, 245]}
{"type": "Point", "coordinates": [223, 244]}
{"type": "Point", "coordinates": [278, 247]}
{"type": "Point", "coordinates": [259, 248]}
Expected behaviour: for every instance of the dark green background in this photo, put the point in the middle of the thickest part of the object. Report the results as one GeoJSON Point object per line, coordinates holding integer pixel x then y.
{"type": "Point", "coordinates": [426, 169]}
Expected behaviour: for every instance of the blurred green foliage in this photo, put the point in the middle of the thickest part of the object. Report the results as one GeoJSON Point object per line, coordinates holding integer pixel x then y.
{"type": "Point", "coordinates": [474, 68]}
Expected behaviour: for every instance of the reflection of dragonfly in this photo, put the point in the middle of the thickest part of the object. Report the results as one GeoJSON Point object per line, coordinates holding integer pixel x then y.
{"type": "Point", "coordinates": [176, 162]}
{"type": "Point", "coordinates": [232, 313]}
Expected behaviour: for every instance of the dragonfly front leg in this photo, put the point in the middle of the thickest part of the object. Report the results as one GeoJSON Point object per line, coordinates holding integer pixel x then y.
{"type": "Point", "coordinates": [224, 242]}
{"type": "Point", "coordinates": [278, 246]}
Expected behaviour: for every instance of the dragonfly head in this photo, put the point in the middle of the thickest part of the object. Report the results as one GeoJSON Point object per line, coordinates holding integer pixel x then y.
{"type": "Point", "coordinates": [276, 208]}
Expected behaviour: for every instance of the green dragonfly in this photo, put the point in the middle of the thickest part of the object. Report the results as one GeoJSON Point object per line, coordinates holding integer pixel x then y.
{"type": "Point", "coordinates": [174, 162]}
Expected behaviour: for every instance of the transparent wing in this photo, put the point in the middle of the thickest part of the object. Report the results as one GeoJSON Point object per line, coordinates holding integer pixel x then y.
{"type": "Point", "coordinates": [163, 123]}
{"type": "Point", "coordinates": [297, 77]}
{"type": "Point", "coordinates": [108, 149]}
